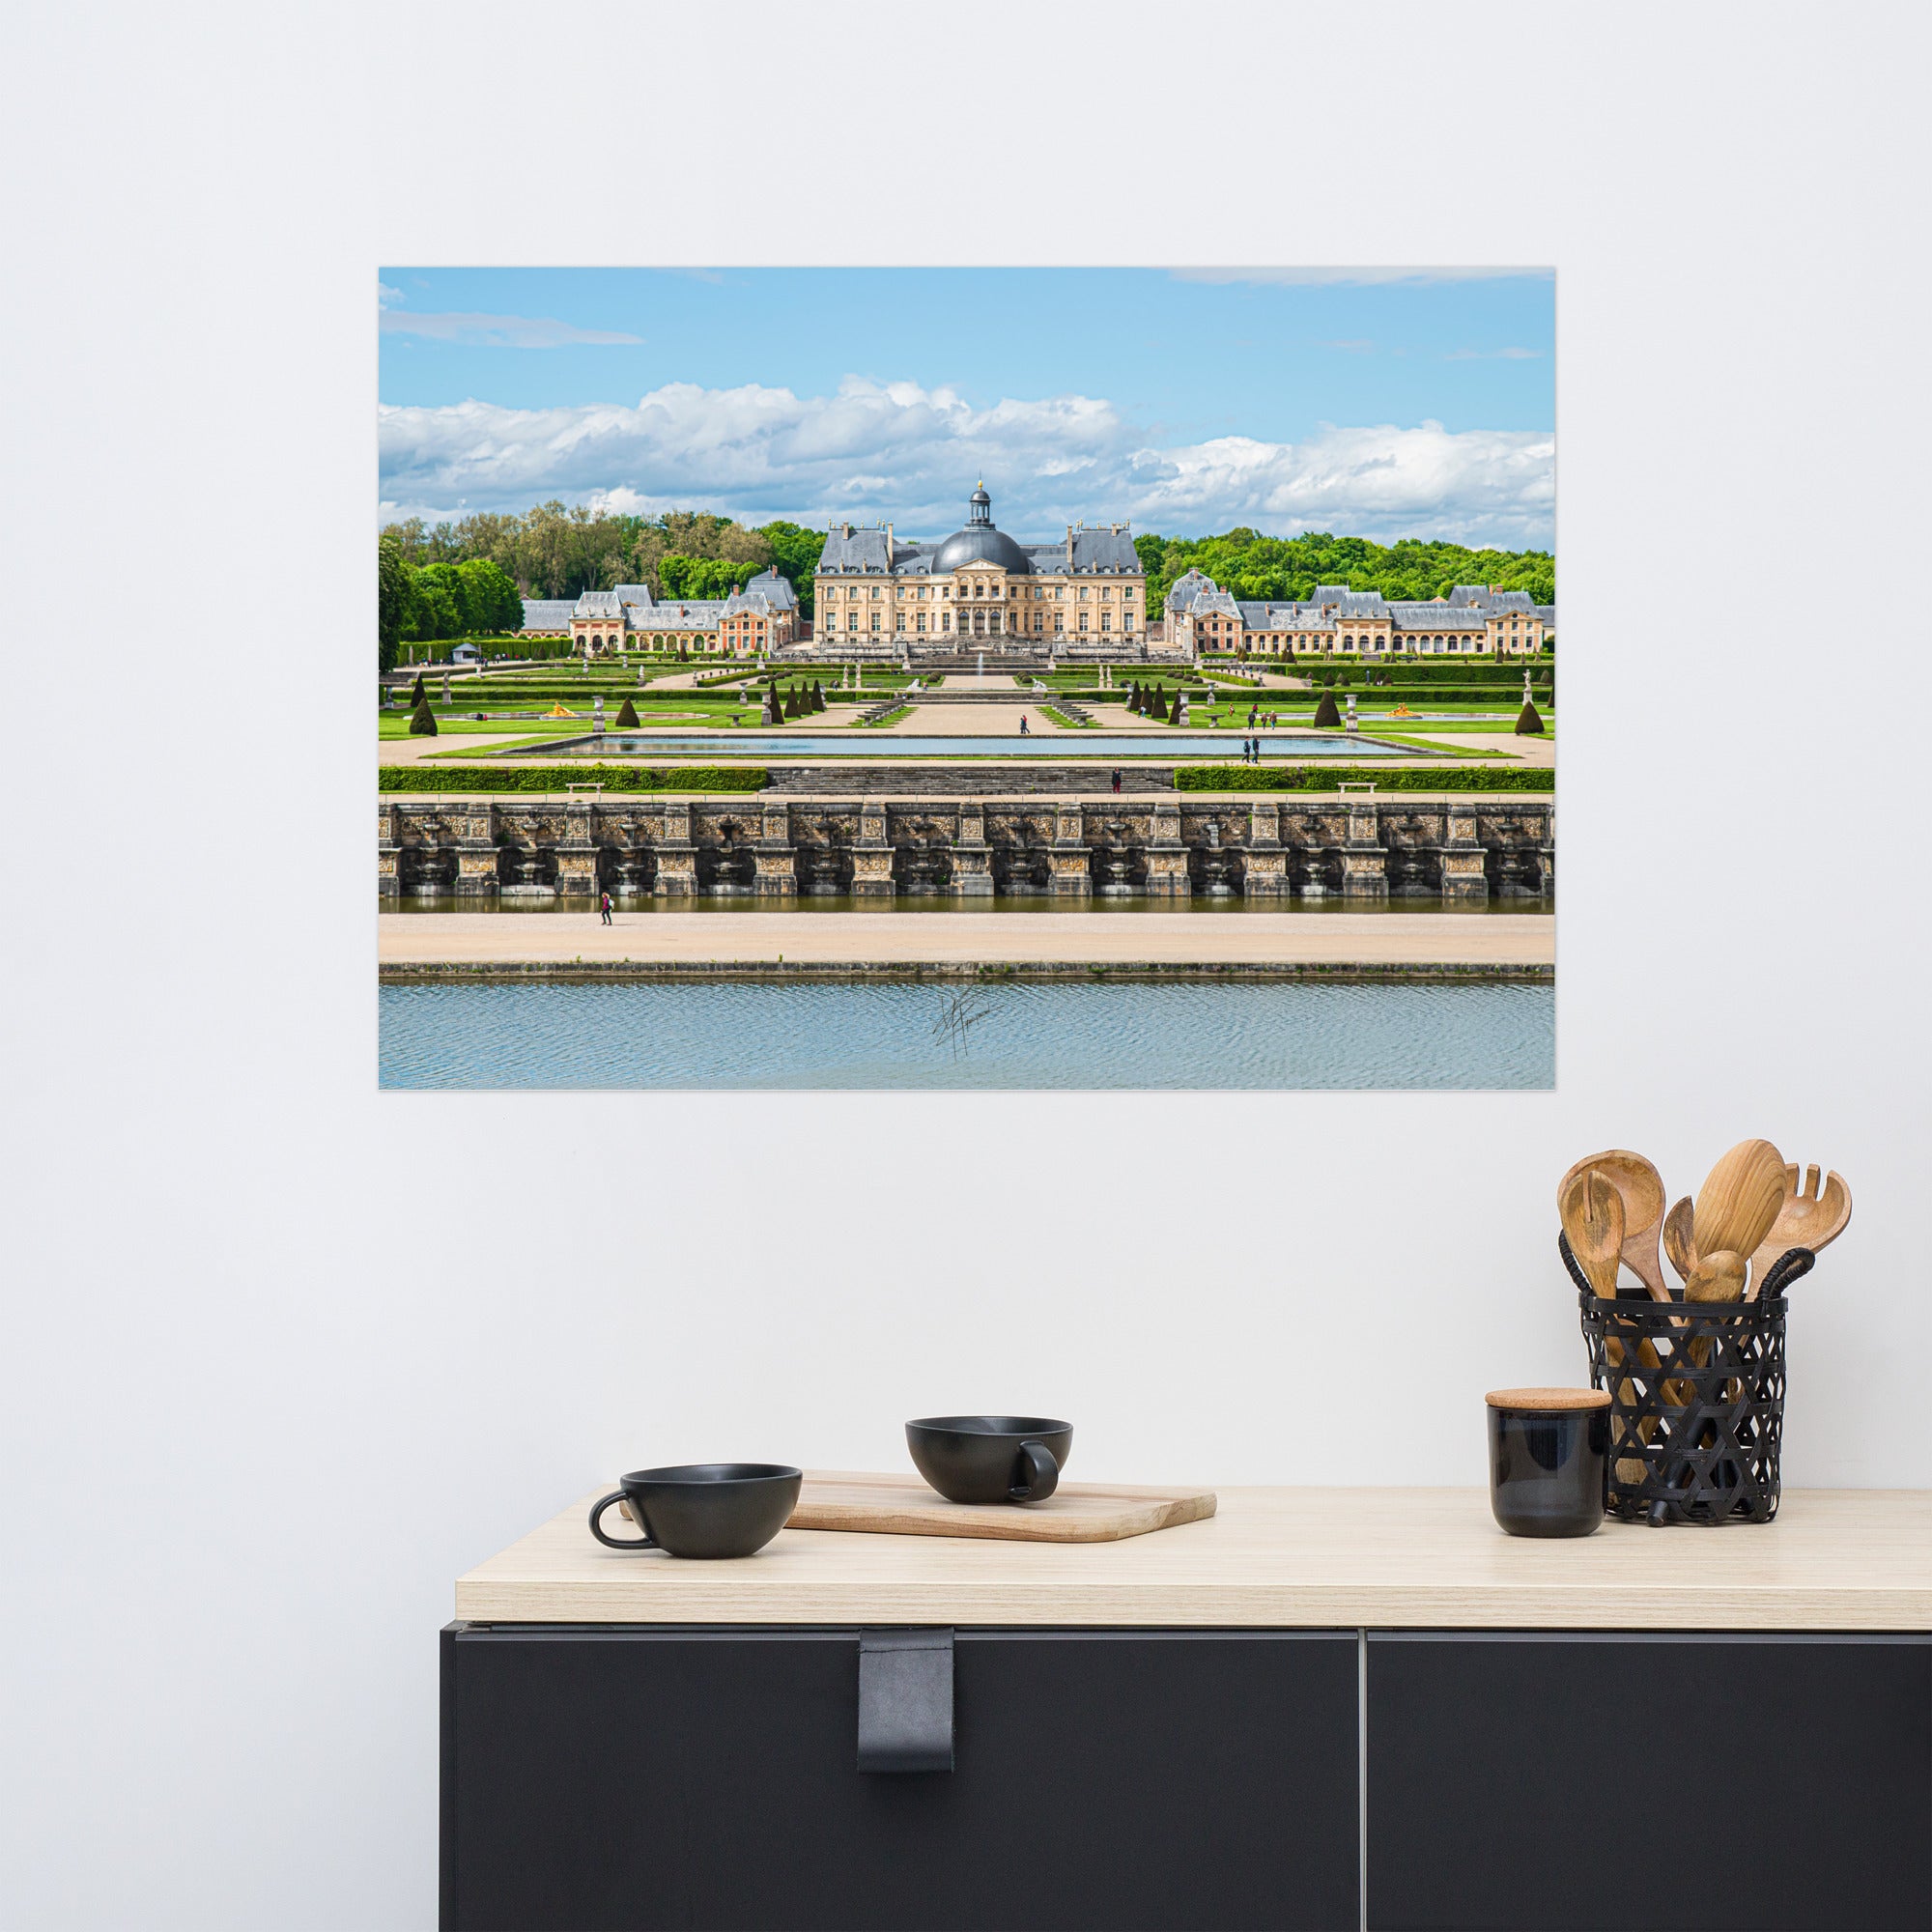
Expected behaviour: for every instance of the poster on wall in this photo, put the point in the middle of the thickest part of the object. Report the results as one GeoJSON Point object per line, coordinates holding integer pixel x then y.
{"type": "Point", "coordinates": [966, 678]}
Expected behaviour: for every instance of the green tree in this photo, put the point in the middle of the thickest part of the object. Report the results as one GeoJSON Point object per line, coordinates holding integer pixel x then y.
{"type": "Point", "coordinates": [488, 599]}
{"type": "Point", "coordinates": [683, 578]}
{"type": "Point", "coordinates": [796, 552]}
{"type": "Point", "coordinates": [392, 601]}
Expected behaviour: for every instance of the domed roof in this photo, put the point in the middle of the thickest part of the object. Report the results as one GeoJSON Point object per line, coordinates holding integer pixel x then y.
{"type": "Point", "coordinates": [983, 544]}
{"type": "Point", "coordinates": [980, 543]}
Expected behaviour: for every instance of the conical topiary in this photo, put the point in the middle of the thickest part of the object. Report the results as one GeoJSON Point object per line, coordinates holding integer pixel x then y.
{"type": "Point", "coordinates": [416, 692]}
{"type": "Point", "coordinates": [817, 696]}
{"type": "Point", "coordinates": [1528, 721]}
{"type": "Point", "coordinates": [1135, 699]}
{"type": "Point", "coordinates": [1327, 714]}
{"type": "Point", "coordinates": [627, 716]}
{"type": "Point", "coordinates": [422, 719]}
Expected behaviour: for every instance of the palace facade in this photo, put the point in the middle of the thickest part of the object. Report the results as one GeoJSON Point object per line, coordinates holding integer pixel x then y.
{"type": "Point", "coordinates": [763, 616]}
{"type": "Point", "coordinates": [980, 589]}
{"type": "Point", "coordinates": [1473, 619]}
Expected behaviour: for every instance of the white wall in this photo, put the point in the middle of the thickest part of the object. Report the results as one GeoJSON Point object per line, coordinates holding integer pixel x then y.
{"type": "Point", "coordinates": [284, 1354]}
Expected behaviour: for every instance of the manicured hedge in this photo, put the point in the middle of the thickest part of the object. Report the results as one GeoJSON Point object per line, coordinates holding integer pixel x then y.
{"type": "Point", "coordinates": [553, 777]}
{"type": "Point", "coordinates": [1405, 778]}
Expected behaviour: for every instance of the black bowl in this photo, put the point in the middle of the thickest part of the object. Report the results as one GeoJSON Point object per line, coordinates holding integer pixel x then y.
{"type": "Point", "coordinates": [990, 1459]}
{"type": "Point", "coordinates": [703, 1509]}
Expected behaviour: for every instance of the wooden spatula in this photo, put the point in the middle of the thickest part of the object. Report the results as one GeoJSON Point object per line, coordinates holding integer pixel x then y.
{"type": "Point", "coordinates": [1809, 1216]}
{"type": "Point", "coordinates": [1739, 1199]}
{"type": "Point", "coordinates": [1641, 1188]}
{"type": "Point", "coordinates": [1680, 1241]}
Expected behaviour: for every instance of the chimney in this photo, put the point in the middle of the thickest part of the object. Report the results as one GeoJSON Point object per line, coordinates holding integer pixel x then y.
{"type": "Point", "coordinates": [889, 546]}
{"type": "Point", "coordinates": [1069, 547]}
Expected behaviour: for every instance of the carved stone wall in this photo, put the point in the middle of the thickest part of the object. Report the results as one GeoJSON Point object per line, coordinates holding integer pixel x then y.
{"type": "Point", "coordinates": [1167, 846]}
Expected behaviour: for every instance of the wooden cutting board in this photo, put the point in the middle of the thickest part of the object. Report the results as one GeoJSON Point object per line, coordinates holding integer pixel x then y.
{"type": "Point", "coordinates": [1076, 1513]}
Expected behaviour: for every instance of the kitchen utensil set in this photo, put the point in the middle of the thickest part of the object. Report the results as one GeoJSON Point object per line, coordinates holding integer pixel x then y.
{"type": "Point", "coordinates": [1696, 1385]}
{"type": "Point", "coordinates": [1751, 1210]}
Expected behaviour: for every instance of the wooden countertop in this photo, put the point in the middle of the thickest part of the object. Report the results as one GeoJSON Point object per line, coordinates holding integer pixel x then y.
{"type": "Point", "coordinates": [1834, 1559]}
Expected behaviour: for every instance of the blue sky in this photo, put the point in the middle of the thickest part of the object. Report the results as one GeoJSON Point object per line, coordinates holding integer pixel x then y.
{"type": "Point", "coordinates": [1359, 401]}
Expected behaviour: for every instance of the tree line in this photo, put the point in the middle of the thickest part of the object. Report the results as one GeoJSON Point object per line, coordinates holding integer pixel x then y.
{"type": "Point", "coordinates": [551, 551]}
{"type": "Point", "coordinates": [1282, 569]}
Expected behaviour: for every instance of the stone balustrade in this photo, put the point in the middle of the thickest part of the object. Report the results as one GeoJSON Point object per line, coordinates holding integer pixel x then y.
{"type": "Point", "coordinates": [1165, 845]}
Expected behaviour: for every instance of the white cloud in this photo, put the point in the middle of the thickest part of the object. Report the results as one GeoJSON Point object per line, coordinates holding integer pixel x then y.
{"type": "Point", "coordinates": [1493, 356]}
{"type": "Point", "coordinates": [495, 331]}
{"type": "Point", "coordinates": [386, 297]}
{"type": "Point", "coordinates": [1327, 278]}
{"type": "Point", "coordinates": [898, 450]}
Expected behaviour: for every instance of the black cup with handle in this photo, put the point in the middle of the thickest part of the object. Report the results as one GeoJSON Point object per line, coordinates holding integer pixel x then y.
{"type": "Point", "coordinates": [702, 1509]}
{"type": "Point", "coordinates": [990, 1459]}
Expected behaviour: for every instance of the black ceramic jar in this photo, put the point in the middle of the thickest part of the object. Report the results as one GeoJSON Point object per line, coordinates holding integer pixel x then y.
{"type": "Point", "coordinates": [1548, 1459]}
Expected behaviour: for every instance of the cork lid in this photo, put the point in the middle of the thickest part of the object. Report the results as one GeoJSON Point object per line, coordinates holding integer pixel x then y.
{"type": "Point", "coordinates": [1549, 1401]}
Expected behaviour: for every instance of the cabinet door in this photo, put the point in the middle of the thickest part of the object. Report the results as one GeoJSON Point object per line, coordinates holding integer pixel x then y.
{"type": "Point", "coordinates": [1626, 1783]}
{"type": "Point", "coordinates": [605, 1778]}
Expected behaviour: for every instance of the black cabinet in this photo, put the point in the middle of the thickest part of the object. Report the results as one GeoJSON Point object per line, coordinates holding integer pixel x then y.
{"type": "Point", "coordinates": [1622, 1782]}
{"type": "Point", "coordinates": [609, 1777]}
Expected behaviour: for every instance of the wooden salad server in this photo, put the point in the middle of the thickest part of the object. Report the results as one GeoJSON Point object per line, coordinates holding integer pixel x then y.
{"type": "Point", "coordinates": [1809, 1216]}
{"type": "Point", "coordinates": [1592, 1213]}
{"type": "Point", "coordinates": [1642, 1187]}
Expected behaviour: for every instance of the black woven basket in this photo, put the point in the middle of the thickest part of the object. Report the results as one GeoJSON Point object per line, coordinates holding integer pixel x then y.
{"type": "Point", "coordinates": [1696, 1399]}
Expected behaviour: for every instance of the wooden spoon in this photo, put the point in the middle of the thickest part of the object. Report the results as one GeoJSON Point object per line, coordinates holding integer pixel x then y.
{"type": "Point", "coordinates": [1642, 1187]}
{"type": "Point", "coordinates": [1739, 1199]}
{"type": "Point", "coordinates": [1717, 1277]}
{"type": "Point", "coordinates": [1809, 1217]}
{"type": "Point", "coordinates": [1592, 1211]}
{"type": "Point", "coordinates": [1680, 1240]}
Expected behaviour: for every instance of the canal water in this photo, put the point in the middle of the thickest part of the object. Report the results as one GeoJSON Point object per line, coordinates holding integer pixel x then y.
{"type": "Point", "coordinates": [965, 1036]}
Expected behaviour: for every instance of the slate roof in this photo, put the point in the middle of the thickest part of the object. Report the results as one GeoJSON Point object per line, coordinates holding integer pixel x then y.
{"type": "Point", "coordinates": [776, 590]}
{"type": "Point", "coordinates": [862, 551]}
{"type": "Point", "coordinates": [1431, 617]}
{"type": "Point", "coordinates": [698, 613]}
{"type": "Point", "coordinates": [1095, 553]}
{"type": "Point", "coordinates": [599, 604]}
{"type": "Point", "coordinates": [632, 593]}
{"type": "Point", "coordinates": [1352, 603]}
{"type": "Point", "coordinates": [548, 614]}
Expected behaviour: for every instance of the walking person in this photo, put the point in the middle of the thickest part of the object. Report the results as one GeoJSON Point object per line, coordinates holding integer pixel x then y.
{"type": "Point", "coordinates": [1117, 781]}
{"type": "Point", "coordinates": [604, 906]}
{"type": "Point", "coordinates": [1024, 731]}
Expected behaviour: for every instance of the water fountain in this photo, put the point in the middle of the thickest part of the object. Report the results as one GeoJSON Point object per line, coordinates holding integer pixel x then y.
{"type": "Point", "coordinates": [1114, 863]}
{"type": "Point", "coordinates": [1216, 862]}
